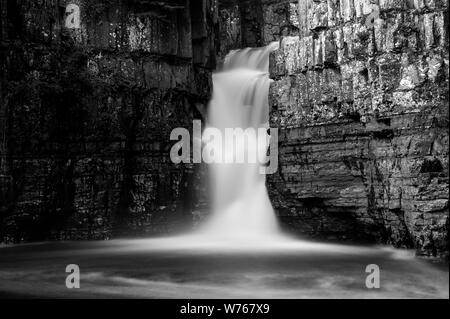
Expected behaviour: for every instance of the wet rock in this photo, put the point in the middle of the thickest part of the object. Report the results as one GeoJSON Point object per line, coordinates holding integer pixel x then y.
{"type": "Point", "coordinates": [364, 114]}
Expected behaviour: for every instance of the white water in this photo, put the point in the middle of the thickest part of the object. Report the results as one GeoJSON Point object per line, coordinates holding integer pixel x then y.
{"type": "Point", "coordinates": [240, 202]}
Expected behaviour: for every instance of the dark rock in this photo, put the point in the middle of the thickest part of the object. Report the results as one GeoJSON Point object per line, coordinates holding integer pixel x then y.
{"type": "Point", "coordinates": [86, 116]}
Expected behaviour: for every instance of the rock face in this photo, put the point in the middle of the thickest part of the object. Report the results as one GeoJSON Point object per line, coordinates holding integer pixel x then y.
{"type": "Point", "coordinates": [90, 91]}
{"type": "Point", "coordinates": [361, 95]}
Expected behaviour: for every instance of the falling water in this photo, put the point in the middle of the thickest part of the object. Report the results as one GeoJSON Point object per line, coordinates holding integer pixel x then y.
{"type": "Point", "coordinates": [240, 202]}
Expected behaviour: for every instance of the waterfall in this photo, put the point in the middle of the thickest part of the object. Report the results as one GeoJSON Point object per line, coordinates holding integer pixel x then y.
{"type": "Point", "coordinates": [241, 208]}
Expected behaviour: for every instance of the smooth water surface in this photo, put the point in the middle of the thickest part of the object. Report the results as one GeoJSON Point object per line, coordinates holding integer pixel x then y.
{"type": "Point", "coordinates": [186, 267]}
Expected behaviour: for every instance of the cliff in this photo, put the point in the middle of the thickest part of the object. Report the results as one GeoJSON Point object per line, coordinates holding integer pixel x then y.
{"type": "Point", "coordinates": [90, 91]}
{"type": "Point", "coordinates": [361, 95]}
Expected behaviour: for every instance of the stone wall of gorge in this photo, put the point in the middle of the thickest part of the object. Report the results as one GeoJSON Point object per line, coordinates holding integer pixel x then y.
{"type": "Point", "coordinates": [89, 93]}
{"type": "Point", "coordinates": [361, 98]}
